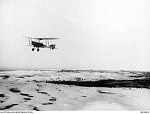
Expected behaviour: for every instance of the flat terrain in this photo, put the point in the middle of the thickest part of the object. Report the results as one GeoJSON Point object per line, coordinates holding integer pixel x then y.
{"type": "Point", "coordinates": [74, 90]}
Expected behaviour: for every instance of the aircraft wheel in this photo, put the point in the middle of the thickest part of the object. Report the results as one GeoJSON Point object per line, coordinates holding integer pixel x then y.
{"type": "Point", "coordinates": [32, 49]}
{"type": "Point", "coordinates": [38, 49]}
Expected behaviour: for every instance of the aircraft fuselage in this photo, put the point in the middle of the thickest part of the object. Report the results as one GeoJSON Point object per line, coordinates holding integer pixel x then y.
{"type": "Point", "coordinates": [38, 44]}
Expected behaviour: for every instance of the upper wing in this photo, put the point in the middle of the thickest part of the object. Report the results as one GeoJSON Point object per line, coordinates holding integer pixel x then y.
{"type": "Point", "coordinates": [42, 38]}
{"type": "Point", "coordinates": [47, 38]}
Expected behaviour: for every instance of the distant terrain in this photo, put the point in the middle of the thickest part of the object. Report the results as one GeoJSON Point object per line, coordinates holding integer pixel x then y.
{"type": "Point", "coordinates": [135, 80]}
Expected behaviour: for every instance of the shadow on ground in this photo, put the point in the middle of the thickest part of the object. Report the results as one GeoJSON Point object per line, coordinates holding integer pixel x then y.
{"type": "Point", "coordinates": [137, 83]}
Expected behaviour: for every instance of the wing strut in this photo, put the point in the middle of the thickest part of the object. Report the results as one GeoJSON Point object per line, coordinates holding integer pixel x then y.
{"type": "Point", "coordinates": [29, 41]}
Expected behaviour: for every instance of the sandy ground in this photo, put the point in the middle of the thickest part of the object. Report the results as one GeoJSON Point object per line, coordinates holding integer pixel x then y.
{"type": "Point", "coordinates": [27, 90]}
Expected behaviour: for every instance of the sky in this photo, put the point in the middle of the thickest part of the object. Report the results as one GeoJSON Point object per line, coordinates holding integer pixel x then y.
{"type": "Point", "coordinates": [94, 34]}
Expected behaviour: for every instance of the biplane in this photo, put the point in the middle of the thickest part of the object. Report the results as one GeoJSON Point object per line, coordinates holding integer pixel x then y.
{"type": "Point", "coordinates": [37, 43]}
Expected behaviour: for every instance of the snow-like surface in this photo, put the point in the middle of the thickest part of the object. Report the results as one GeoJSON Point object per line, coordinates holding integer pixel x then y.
{"type": "Point", "coordinates": [47, 96]}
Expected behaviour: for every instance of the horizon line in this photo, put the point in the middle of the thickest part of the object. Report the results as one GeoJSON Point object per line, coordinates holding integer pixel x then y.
{"type": "Point", "coordinates": [80, 69]}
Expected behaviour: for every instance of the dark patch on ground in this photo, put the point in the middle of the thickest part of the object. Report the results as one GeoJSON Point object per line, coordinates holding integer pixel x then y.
{"type": "Point", "coordinates": [2, 95]}
{"type": "Point", "coordinates": [90, 71]}
{"type": "Point", "coordinates": [105, 92]}
{"type": "Point", "coordinates": [74, 71]}
{"type": "Point", "coordinates": [137, 83]}
{"type": "Point", "coordinates": [39, 85]}
{"type": "Point", "coordinates": [53, 99]}
{"type": "Point", "coordinates": [20, 77]}
{"type": "Point", "coordinates": [78, 79]}
{"type": "Point", "coordinates": [37, 90]}
{"type": "Point", "coordinates": [47, 103]}
{"type": "Point", "coordinates": [28, 76]}
{"type": "Point", "coordinates": [83, 96]}
{"type": "Point", "coordinates": [34, 107]}
{"type": "Point", "coordinates": [138, 76]}
{"type": "Point", "coordinates": [15, 90]}
{"type": "Point", "coordinates": [3, 98]}
{"type": "Point", "coordinates": [1, 101]}
{"type": "Point", "coordinates": [25, 94]}
{"type": "Point", "coordinates": [5, 76]}
{"type": "Point", "coordinates": [7, 107]}
{"type": "Point", "coordinates": [41, 92]}
{"type": "Point", "coordinates": [35, 81]}
{"type": "Point", "coordinates": [27, 99]}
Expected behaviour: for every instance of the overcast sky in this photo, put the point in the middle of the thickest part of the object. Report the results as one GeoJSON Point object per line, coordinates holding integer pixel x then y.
{"type": "Point", "coordinates": [94, 34]}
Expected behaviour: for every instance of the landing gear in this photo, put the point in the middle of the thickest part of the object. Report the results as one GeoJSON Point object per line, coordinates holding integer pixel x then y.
{"type": "Point", "coordinates": [32, 49]}
{"type": "Point", "coordinates": [37, 49]}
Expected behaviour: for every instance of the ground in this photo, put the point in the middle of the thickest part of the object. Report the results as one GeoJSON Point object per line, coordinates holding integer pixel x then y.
{"type": "Point", "coordinates": [67, 90]}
